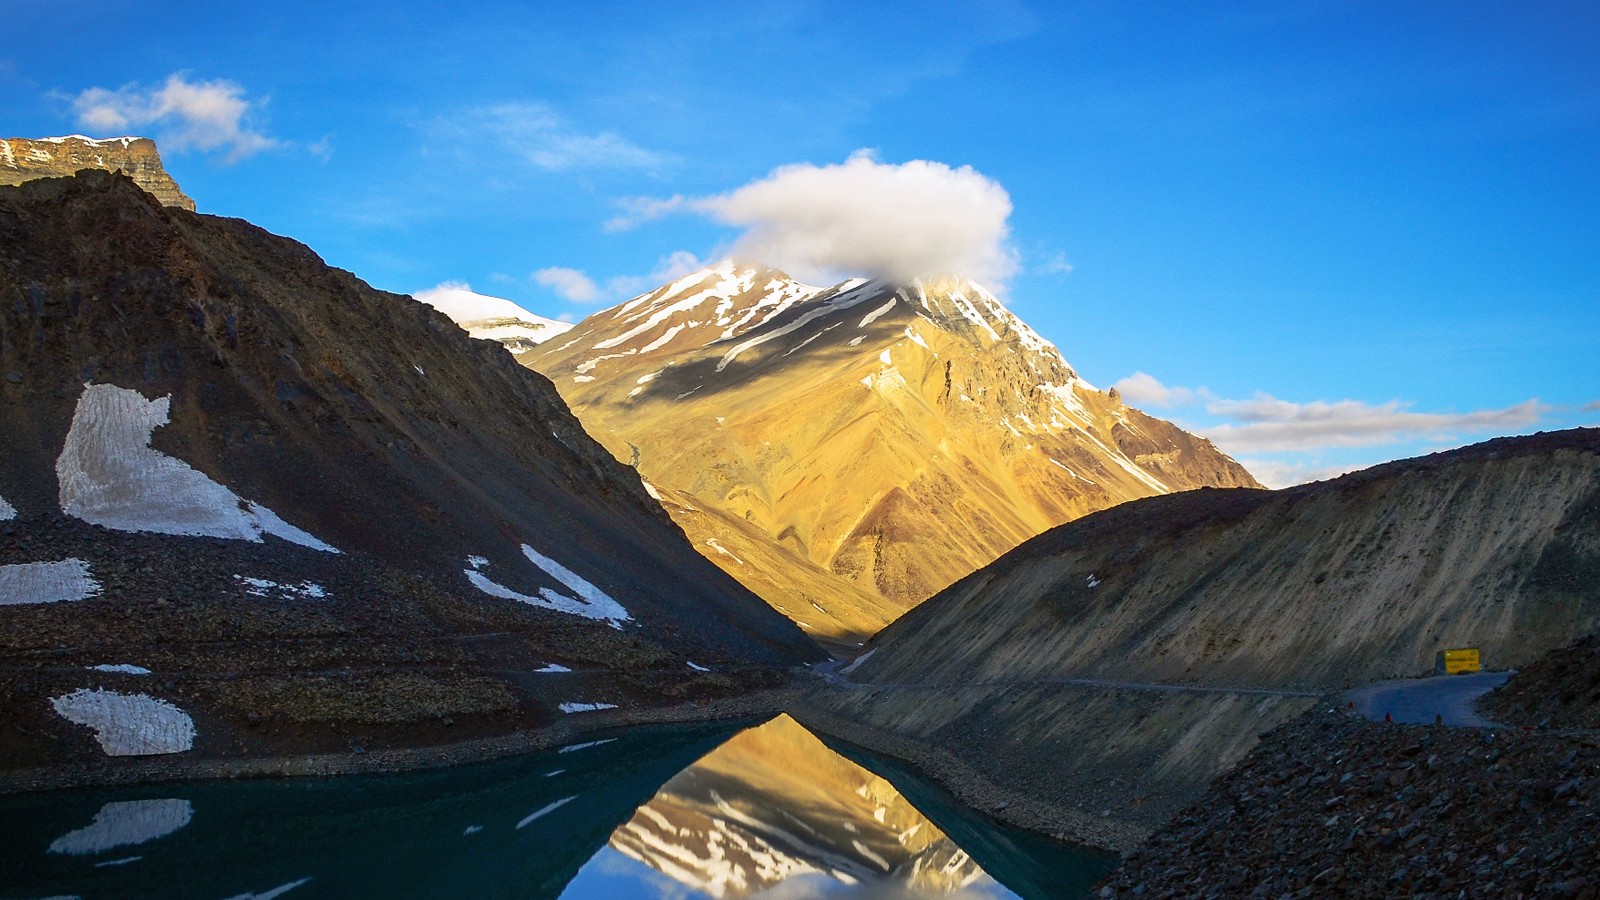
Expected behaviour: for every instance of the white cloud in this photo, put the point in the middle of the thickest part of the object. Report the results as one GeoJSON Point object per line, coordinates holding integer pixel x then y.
{"type": "Point", "coordinates": [861, 217]}
{"type": "Point", "coordinates": [544, 138]}
{"type": "Point", "coordinates": [1592, 406]}
{"type": "Point", "coordinates": [577, 286]}
{"type": "Point", "coordinates": [1269, 424]}
{"type": "Point", "coordinates": [208, 116]}
{"type": "Point", "coordinates": [671, 267]}
{"type": "Point", "coordinates": [1142, 390]}
{"type": "Point", "coordinates": [570, 284]}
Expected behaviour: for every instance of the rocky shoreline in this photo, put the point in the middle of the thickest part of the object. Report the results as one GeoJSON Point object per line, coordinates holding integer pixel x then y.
{"type": "Point", "coordinates": [1332, 803]}
{"type": "Point", "coordinates": [154, 769]}
{"type": "Point", "coordinates": [1029, 805]}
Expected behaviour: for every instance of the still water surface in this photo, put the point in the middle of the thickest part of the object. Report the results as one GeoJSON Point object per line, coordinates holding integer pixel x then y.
{"type": "Point", "coordinates": [660, 812]}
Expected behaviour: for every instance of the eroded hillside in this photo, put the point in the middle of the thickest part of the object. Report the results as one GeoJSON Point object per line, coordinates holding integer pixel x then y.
{"type": "Point", "coordinates": [1321, 586]}
{"type": "Point", "coordinates": [1107, 670]}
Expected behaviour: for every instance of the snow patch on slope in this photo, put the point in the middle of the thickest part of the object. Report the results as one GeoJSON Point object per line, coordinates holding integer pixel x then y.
{"type": "Point", "coordinates": [111, 476]}
{"type": "Point", "coordinates": [128, 724]}
{"type": "Point", "coordinates": [856, 294]}
{"type": "Point", "coordinates": [7, 511]}
{"type": "Point", "coordinates": [46, 582]}
{"type": "Point", "coordinates": [873, 316]}
{"type": "Point", "coordinates": [120, 669]}
{"type": "Point", "coordinates": [590, 602]}
{"type": "Point", "coordinates": [261, 587]}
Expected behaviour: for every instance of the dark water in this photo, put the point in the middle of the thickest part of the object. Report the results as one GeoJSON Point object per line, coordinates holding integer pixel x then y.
{"type": "Point", "coordinates": [660, 812]}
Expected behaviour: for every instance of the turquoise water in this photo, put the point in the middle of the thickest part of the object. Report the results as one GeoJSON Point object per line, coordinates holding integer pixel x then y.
{"type": "Point", "coordinates": [659, 812]}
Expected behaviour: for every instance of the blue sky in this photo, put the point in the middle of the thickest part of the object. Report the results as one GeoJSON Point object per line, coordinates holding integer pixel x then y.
{"type": "Point", "coordinates": [1326, 234]}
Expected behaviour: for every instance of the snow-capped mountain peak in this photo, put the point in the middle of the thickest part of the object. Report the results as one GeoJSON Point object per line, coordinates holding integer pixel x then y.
{"type": "Point", "coordinates": [847, 421]}
{"type": "Point", "coordinates": [492, 318]}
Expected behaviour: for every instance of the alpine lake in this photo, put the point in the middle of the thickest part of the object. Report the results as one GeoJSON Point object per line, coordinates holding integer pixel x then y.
{"type": "Point", "coordinates": [723, 811]}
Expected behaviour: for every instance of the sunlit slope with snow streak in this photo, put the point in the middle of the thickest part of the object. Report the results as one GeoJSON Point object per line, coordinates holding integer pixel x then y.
{"type": "Point", "coordinates": [896, 436]}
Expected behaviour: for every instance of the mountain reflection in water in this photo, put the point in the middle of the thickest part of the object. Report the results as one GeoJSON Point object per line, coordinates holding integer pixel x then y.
{"type": "Point", "coordinates": [774, 804]}
{"type": "Point", "coordinates": [776, 813]}
{"type": "Point", "coordinates": [664, 811]}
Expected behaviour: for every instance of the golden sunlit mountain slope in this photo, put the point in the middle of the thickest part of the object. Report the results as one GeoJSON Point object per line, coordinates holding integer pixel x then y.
{"type": "Point", "coordinates": [895, 436]}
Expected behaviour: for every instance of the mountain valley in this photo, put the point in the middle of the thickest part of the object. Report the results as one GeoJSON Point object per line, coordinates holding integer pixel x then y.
{"type": "Point", "coordinates": [259, 518]}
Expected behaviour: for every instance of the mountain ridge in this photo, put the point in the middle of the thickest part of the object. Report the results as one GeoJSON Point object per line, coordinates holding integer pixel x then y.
{"type": "Point", "coordinates": [24, 159]}
{"type": "Point", "coordinates": [847, 422]}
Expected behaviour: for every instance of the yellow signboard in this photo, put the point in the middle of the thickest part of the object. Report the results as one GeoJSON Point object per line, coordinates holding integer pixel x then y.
{"type": "Point", "coordinates": [1454, 662]}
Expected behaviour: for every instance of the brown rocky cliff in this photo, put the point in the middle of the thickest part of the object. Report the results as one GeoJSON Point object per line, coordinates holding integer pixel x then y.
{"type": "Point", "coordinates": [24, 159]}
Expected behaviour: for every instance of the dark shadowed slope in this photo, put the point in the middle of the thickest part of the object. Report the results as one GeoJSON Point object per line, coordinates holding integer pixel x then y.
{"type": "Point", "coordinates": [195, 415]}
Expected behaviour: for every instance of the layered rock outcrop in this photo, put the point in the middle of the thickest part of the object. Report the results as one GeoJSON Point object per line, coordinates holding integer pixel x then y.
{"type": "Point", "coordinates": [24, 159]}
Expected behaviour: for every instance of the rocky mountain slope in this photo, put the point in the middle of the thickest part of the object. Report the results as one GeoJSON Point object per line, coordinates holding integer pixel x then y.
{"type": "Point", "coordinates": [1322, 586]}
{"type": "Point", "coordinates": [252, 505]}
{"type": "Point", "coordinates": [493, 318]}
{"type": "Point", "coordinates": [1332, 805]}
{"type": "Point", "coordinates": [896, 436]}
{"type": "Point", "coordinates": [1136, 653]}
{"type": "Point", "coordinates": [1559, 690]}
{"type": "Point", "coordinates": [24, 159]}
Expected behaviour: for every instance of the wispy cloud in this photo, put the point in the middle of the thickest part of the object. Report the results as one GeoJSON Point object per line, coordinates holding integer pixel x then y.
{"type": "Point", "coordinates": [576, 285]}
{"type": "Point", "coordinates": [1592, 406]}
{"type": "Point", "coordinates": [1269, 424]}
{"type": "Point", "coordinates": [208, 116]}
{"type": "Point", "coordinates": [860, 217]}
{"type": "Point", "coordinates": [1055, 265]}
{"type": "Point", "coordinates": [541, 136]}
{"type": "Point", "coordinates": [1283, 442]}
{"type": "Point", "coordinates": [569, 284]}
{"type": "Point", "coordinates": [1142, 389]}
